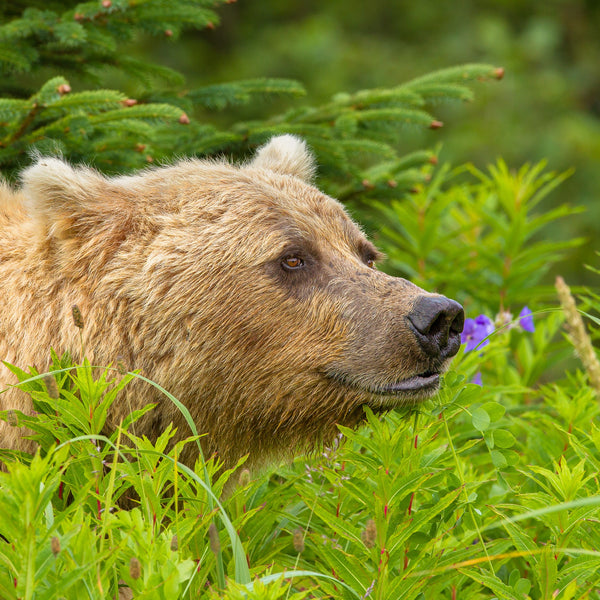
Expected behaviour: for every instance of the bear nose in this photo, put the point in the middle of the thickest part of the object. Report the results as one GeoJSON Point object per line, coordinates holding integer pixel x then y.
{"type": "Point", "coordinates": [437, 323]}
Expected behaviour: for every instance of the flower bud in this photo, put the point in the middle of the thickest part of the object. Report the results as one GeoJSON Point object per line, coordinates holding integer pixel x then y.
{"type": "Point", "coordinates": [299, 540]}
{"type": "Point", "coordinates": [51, 386]}
{"type": "Point", "coordinates": [244, 478]}
{"type": "Point", "coordinates": [135, 568]}
{"type": "Point", "coordinates": [77, 316]}
{"type": "Point", "coordinates": [369, 534]}
{"type": "Point", "coordinates": [578, 335]}
{"type": "Point", "coordinates": [213, 536]}
{"type": "Point", "coordinates": [121, 366]}
{"type": "Point", "coordinates": [55, 545]}
{"type": "Point", "coordinates": [11, 418]}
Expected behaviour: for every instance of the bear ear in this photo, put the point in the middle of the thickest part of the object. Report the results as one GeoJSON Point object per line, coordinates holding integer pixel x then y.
{"type": "Point", "coordinates": [67, 200]}
{"type": "Point", "coordinates": [288, 155]}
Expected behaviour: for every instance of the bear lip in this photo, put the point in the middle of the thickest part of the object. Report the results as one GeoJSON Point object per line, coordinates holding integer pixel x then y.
{"type": "Point", "coordinates": [423, 384]}
{"type": "Point", "coordinates": [428, 381]}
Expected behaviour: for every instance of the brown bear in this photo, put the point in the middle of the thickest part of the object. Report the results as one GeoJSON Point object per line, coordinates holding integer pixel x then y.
{"type": "Point", "coordinates": [243, 290]}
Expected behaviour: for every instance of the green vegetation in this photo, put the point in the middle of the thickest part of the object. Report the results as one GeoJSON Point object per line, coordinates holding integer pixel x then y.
{"type": "Point", "coordinates": [487, 491]}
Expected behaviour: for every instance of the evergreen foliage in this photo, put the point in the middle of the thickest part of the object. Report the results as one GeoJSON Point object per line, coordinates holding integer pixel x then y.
{"type": "Point", "coordinates": [43, 51]}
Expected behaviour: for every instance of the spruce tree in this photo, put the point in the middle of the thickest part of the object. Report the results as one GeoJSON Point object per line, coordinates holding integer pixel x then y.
{"type": "Point", "coordinates": [44, 45]}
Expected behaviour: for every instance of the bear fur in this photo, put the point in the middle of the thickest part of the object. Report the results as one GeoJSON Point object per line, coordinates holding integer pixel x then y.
{"type": "Point", "coordinates": [243, 290]}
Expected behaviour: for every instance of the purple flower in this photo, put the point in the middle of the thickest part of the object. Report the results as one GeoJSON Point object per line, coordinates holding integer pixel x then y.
{"type": "Point", "coordinates": [477, 379]}
{"type": "Point", "coordinates": [526, 319]}
{"type": "Point", "coordinates": [475, 331]}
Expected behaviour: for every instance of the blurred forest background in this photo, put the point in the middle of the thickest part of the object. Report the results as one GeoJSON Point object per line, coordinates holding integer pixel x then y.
{"type": "Point", "coordinates": [546, 107]}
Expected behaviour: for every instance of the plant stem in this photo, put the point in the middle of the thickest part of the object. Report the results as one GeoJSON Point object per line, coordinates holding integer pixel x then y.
{"type": "Point", "coordinates": [464, 488]}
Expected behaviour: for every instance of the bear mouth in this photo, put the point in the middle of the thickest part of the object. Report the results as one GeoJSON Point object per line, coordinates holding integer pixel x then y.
{"type": "Point", "coordinates": [420, 386]}
{"type": "Point", "coordinates": [422, 383]}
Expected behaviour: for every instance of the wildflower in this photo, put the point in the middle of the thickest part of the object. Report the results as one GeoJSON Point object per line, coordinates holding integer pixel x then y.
{"type": "Point", "coordinates": [504, 320]}
{"type": "Point", "coordinates": [477, 380]}
{"type": "Point", "coordinates": [526, 319]}
{"type": "Point", "coordinates": [475, 332]}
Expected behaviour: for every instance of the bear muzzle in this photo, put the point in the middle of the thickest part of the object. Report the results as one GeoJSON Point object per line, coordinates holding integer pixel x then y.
{"type": "Point", "coordinates": [436, 323]}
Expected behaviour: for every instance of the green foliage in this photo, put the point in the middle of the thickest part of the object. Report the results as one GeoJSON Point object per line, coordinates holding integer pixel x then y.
{"type": "Point", "coordinates": [487, 491]}
{"type": "Point", "coordinates": [489, 227]}
{"type": "Point", "coordinates": [355, 136]}
{"type": "Point", "coordinates": [86, 473]}
{"type": "Point", "coordinates": [546, 107]}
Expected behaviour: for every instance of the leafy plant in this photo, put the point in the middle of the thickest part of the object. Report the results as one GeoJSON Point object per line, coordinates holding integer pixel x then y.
{"type": "Point", "coordinates": [489, 490]}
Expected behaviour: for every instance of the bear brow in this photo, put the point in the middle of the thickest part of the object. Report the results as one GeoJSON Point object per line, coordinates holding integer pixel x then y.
{"type": "Point", "coordinates": [296, 242]}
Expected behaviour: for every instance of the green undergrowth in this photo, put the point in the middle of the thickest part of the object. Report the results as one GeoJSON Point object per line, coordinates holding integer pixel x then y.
{"type": "Point", "coordinates": [490, 490]}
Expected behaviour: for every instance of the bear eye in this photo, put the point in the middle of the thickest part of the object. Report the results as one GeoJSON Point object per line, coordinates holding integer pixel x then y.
{"type": "Point", "coordinates": [370, 262]}
{"type": "Point", "coordinates": [292, 263]}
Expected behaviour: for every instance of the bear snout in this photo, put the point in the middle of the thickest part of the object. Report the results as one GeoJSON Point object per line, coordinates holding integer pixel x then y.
{"type": "Point", "coordinates": [437, 322]}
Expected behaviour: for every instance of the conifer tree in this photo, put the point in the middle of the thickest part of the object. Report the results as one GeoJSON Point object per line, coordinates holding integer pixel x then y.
{"type": "Point", "coordinates": [354, 135]}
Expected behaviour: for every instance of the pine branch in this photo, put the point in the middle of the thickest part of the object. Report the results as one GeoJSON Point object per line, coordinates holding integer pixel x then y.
{"type": "Point", "coordinates": [355, 135]}
{"type": "Point", "coordinates": [223, 95]}
{"type": "Point", "coordinates": [27, 121]}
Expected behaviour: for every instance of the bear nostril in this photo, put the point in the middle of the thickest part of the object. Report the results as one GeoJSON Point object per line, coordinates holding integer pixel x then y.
{"type": "Point", "coordinates": [437, 322]}
{"type": "Point", "coordinates": [458, 323]}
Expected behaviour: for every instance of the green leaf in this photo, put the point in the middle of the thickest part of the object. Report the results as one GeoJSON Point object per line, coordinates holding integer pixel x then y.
{"type": "Point", "coordinates": [548, 571]}
{"type": "Point", "coordinates": [498, 459]}
{"type": "Point", "coordinates": [480, 419]}
{"type": "Point", "coordinates": [493, 582]}
{"type": "Point", "coordinates": [503, 438]}
{"type": "Point", "coordinates": [495, 410]}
